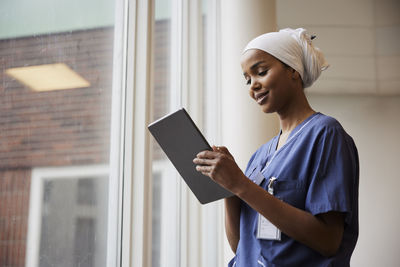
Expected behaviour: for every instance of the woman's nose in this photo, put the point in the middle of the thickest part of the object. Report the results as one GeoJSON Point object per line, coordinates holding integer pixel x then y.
{"type": "Point", "coordinates": [255, 85]}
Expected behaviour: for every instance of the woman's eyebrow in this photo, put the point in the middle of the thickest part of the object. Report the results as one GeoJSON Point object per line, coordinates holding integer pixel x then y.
{"type": "Point", "coordinates": [255, 65]}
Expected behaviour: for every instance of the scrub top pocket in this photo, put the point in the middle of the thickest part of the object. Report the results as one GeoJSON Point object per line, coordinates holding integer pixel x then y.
{"type": "Point", "coordinates": [291, 191]}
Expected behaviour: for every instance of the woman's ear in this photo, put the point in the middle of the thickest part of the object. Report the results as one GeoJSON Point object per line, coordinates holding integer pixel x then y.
{"type": "Point", "coordinates": [295, 74]}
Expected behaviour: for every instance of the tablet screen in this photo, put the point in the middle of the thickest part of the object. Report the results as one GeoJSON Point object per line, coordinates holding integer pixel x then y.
{"type": "Point", "coordinates": [181, 140]}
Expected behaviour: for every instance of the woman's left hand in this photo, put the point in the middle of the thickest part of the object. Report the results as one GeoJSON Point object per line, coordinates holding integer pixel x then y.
{"type": "Point", "coordinates": [220, 166]}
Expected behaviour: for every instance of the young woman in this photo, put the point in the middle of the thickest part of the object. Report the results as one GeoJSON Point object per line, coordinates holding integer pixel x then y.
{"type": "Point", "coordinates": [297, 202]}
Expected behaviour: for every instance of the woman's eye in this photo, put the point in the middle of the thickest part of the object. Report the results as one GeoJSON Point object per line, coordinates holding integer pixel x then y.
{"type": "Point", "coordinates": [248, 82]}
{"type": "Point", "coordinates": [262, 73]}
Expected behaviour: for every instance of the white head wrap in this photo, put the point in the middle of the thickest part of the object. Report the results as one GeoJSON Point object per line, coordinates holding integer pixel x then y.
{"type": "Point", "coordinates": [295, 49]}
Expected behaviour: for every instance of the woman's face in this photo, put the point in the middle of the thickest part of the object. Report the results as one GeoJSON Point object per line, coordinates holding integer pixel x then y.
{"type": "Point", "coordinates": [271, 83]}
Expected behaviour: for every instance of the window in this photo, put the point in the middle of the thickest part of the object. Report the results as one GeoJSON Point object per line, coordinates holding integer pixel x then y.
{"type": "Point", "coordinates": [184, 233]}
{"type": "Point", "coordinates": [165, 182]}
{"type": "Point", "coordinates": [58, 100]}
{"type": "Point", "coordinates": [67, 218]}
{"type": "Point", "coordinates": [81, 181]}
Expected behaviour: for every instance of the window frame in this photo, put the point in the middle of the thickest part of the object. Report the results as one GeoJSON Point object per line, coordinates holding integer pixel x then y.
{"type": "Point", "coordinates": [194, 248]}
{"type": "Point", "coordinates": [39, 176]}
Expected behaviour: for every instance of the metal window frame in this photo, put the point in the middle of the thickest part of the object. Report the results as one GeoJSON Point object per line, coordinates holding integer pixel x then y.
{"type": "Point", "coordinates": [135, 160]}
{"type": "Point", "coordinates": [39, 176]}
{"type": "Point", "coordinates": [134, 248]}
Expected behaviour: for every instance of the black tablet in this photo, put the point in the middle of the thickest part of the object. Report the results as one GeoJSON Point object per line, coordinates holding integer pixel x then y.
{"type": "Point", "coordinates": [181, 140]}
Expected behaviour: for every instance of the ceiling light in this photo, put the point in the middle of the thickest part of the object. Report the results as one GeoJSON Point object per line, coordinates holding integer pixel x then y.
{"type": "Point", "coordinates": [48, 77]}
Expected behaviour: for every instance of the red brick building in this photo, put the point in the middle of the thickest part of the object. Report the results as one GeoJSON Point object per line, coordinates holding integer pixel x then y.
{"type": "Point", "coordinates": [57, 128]}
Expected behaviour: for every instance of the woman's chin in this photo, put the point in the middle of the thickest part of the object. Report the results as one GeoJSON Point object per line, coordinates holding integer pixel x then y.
{"type": "Point", "coordinates": [266, 109]}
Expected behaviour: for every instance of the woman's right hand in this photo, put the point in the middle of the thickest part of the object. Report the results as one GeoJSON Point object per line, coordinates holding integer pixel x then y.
{"type": "Point", "coordinates": [220, 166]}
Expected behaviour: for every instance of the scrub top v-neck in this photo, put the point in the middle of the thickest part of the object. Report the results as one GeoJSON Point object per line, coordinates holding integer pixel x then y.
{"type": "Point", "coordinates": [316, 170]}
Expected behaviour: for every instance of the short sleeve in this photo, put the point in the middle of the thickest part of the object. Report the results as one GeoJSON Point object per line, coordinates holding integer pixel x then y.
{"type": "Point", "coordinates": [334, 185]}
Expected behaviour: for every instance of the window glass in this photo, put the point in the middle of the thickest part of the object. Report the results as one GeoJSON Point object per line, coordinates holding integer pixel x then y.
{"type": "Point", "coordinates": [165, 189]}
{"type": "Point", "coordinates": [56, 72]}
{"type": "Point", "coordinates": [170, 208]}
{"type": "Point", "coordinates": [82, 222]}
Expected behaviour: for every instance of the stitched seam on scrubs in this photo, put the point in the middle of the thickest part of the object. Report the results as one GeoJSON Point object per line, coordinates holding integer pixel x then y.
{"type": "Point", "coordinates": [262, 264]}
{"type": "Point", "coordinates": [318, 209]}
{"type": "Point", "coordinates": [290, 140]}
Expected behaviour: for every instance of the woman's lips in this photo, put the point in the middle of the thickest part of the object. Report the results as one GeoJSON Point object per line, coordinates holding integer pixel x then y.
{"type": "Point", "coordinates": [261, 97]}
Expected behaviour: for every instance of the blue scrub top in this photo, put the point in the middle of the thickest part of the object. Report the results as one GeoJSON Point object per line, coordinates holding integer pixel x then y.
{"type": "Point", "coordinates": [317, 170]}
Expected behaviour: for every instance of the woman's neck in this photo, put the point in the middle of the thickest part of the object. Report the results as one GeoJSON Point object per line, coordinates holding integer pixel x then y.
{"type": "Point", "coordinates": [295, 115]}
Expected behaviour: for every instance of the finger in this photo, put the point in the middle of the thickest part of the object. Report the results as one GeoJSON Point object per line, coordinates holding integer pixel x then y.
{"type": "Point", "coordinates": [204, 169]}
{"type": "Point", "coordinates": [207, 154]}
{"type": "Point", "coordinates": [203, 161]}
{"type": "Point", "coordinates": [224, 150]}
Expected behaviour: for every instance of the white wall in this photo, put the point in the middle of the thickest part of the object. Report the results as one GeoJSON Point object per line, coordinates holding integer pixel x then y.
{"type": "Point", "coordinates": [243, 127]}
{"type": "Point", "coordinates": [241, 119]}
{"type": "Point", "coordinates": [374, 124]}
{"type": "Point", "coordinates": [360, 40]}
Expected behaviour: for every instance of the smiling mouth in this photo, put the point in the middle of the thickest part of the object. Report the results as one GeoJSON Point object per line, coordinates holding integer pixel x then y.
{"type": "Point", "coordinates": [261, 97]}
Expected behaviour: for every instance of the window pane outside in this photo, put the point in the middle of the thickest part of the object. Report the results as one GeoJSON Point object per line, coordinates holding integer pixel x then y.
{"type": "Point", "coordinates": [50, 127]}
{"type": "Point", "coordinates": [164, 212]}
{"type": "Point", "coordinates": [167, 186]}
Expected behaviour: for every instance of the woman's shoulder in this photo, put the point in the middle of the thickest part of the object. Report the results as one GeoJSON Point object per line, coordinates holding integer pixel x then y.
{"type": "Point", "coordinates": [327, 124]}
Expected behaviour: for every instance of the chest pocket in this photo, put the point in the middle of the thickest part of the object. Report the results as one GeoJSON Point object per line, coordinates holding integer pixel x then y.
{"type": "Point", "coordinates": [292, 192]}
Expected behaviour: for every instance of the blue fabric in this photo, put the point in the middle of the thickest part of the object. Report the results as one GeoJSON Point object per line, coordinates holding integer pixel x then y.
{"type": "Point", "coordinates": [317, 170]}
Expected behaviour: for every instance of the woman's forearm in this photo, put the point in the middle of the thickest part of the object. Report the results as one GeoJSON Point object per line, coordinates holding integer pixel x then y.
{"type": "Point", "coordinates": [232, 221]}
{"type": "Point", "coordinates": [322, 233]}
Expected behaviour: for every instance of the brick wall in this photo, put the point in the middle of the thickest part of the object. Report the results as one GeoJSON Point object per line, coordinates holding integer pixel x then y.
{"type": "Point", "coordinates": [14, 205]}
{"type": "Point", "coordinates": [58, 128]}
{"type": "Point", "coordinates": [63, 127]}
{"type": "Point", "coordinates": [55, 128]}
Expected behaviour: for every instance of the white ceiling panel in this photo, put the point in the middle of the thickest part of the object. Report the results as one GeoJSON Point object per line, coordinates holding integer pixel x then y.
{"type": "Point", "coordinates": [351, 67]}
{"type": "Point", "coordinates": [388, 68]}
{"type": "Point", "coordinates": [360, 39]}
{"type": "Point", "coordinates": [342, 86]}
{"type": "Point", "coordinates": [344, 41]}
{"type": "Point", "coordinates": [324, 12]}
{"type": "Point", "coordinates": [388, 40]}
{"type": "Point", "coordinates": [389, 87]}
{"type": "Point", "coordinates": [387, 12]}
